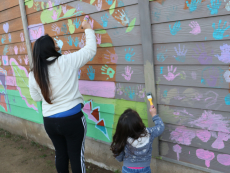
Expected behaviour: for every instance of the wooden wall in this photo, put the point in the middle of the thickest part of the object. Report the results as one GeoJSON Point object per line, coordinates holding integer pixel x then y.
{"type": "Point", "coordinates": [114, 80]}
{"type": "Point", "coordinates": [14, 66]}
{"type": "Point", "coordinates": [192, 60]}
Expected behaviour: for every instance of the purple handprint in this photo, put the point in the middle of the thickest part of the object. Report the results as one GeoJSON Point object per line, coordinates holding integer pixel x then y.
{"type": "Point", "coordinates": [181, 54]}
{"type": "Point", "coordinates": [203, 56]}
{"type": "Point", "coordinates": [98, 37]}
{"type": "Point", "coordinates": [211, 76]}
{"type": "Point", "coordinates": [171, 76]}
{"type": "Point", "coordinates": [113, 57]}
{"type": "Point", "coordinates": [195, 28]}
{"type": "Point", "coordinates": [64, 9]}
{"type": "Point", "coordinates": [120, 89]}
{"type": "Point", "coordinates": [225, 53]}
{"type": "Point", "coordinates": [99, 5]}
{"type": "Point", "coordinates": [128, 73]}
{"type": "Point", "coordinates": [82, 42]}
{"type": "Point", "coordinates": [55, 28]}
{"type": "Point", "coordinates": [91, 22]}
{"type": "Point", "coordinates": [141, 91]}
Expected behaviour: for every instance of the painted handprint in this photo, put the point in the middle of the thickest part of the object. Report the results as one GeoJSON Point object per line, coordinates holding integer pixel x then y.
{"type": "Point", "coordinates": [82, 42]}
{"type": "Point", "coordinates": [64, 28]}
{"type": "Point", "coordinates": [129, 54]}
{"type": "Point", "coordinates": [141, 91]}
{"type": "Point", "coordinates": [130, 92]}
{"type": "Point", "coordinates": [123, 17]}
{"type": "Point", "coordinates": [104, 19]}
{"type": "Point", "coordinates": [195, 28]}
{"type": "Point", "coordinates": [108, 71]}
{"type": "Point", "coordinates": [91, 73]}
{"type": "Point", "coordinates": [181, 54]}
{"type": "Point", "coordinates": [91, 22]}
{"type": "Point", "coordinates": [171, 73]}
{"type": "Point", "coordinates": [26, 59]}
{"type": "Point", "coordinates": [112, 57]}
{"type": "Point", "coordinates": [128, 73]}
{"type": "Point", "coordinates": [121, 4]}
{"type": "Point", "coordinates": [16, 50]}
{"type": "Point", "coordinates": [156, 14]}
{"type": "Point", "coordinates": [193, 6]}
{"type": "Point", "coordinates": [225, 54]}
{"type": "Point", "coordinates": [176, 28]}
{"type": "Point", "coordinates": [110, 2]}
{"type": "Point", "coordinates": [203, 56]}
{"type": "Point", "coordinates": [227, 99]}
{"type": "Point", "coordinates": [70, 40]}
{"type": "Point", "coordinates": [59, 43]}
{"type": "Point", "coordinates": [64, 9]}
{"type": "Point", "coordinates": [120, 89]}
{"type": "Point", "coordinates": [36, 33]}
{"type": "Point", "coordinates": [79, 74]}
{"type": "Point", "coordinates": [3, 39]}
{"type": "Point", "coordinates": [55, 28]}
{"type": "Point", "coordinates": [218, 33]}
{"type": "Point", "coordinates": [77, 23]}
{"type": "Point", "coordinates": [161, 70]}
{"type": "Point", "coordinates": [5, 60]}
{"type": "Point", "coordinates": [99, 5]}
{"type": "Point", "coordinates": [20, 59]}
{"type": "Point", "coordinates": [227, 6]}
{"type": "Point", "coordinates": [98, 37]}
{"type": "Point", "coordinates": [76, 42]}
{"type": "Point", "coordinates": [214, 7]}
{"type": "Point", "coordinates": [22, 37]}
{"type": "Point", "coordinates": [22, 48]}
{"type": "Point", "coordinates": [227, 76]}
{"type": "Point", "coordinates": [67, 52]}
{"type": "Point", "coordinates": [212, 76]}
{"type": "Point", "coordinates": [71, 26]}
{"type": "Point", "coordinates": [57, 2]}
{"type": "Point", "coordinates": [161, 55]}
{"type": "Point", "coordinates": [9, 37]}
{"type": "Point", "coordinates": [55, 15]}
{"type": "Point", "coordinates": [50, 5]}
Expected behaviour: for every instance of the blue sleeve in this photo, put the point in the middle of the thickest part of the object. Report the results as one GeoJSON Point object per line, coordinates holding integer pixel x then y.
{"type": "Point", "coordinates": [158, 129]}
{"type": "Point", "coordinates": [120, 157]}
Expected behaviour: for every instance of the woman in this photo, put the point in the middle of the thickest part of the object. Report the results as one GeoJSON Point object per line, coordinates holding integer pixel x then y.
{"type": "Point", "coordinates": [54, 81]}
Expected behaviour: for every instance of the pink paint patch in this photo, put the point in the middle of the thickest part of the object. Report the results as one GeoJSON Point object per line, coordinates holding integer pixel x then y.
{"type": "Point", "coordinates": [96, 88]}
{"type": "Point", "coordinates": [203, 135]}
{"type": "Point", "coordinates": [205, 155]}
{"type": "Point", "coordinates": [87, 109]}
{"type": "Point", "coordinates": [182, 135]}
{"type": "Point", "coordinates": [36, 31]}
{"type": "Point", "coordinates": [177, 148]}
{"type": "Point", "coordinates": [10, 80]}
{"type": "Point", "coordinates": [219, 142]}
{"type": "Point", "coordinates": [224, 159]}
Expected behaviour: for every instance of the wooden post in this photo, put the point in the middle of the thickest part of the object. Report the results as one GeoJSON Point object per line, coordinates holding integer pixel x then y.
{"type": "Point", "coordinates": [147, 47]}
{"type": "Point", "coordinates": [26, 32]}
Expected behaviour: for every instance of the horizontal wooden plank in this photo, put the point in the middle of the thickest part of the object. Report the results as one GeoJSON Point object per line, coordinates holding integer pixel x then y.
{"type": "Point", "coordinates": [198, 76]}
{"type": "Point", "coordinates": [5, 4]}
{"type": "Point", "coordinates": [197, 156]}
{"type": "Point", "coordinates": [208, 140]}
{"type": "Point", "coordinates": [77, 41]}
{"type": "Point", "coordinates": [13, 37]}
{"type": "Point", "coordinates": [203, 98]}
{"type": "Point", "coordinates": [116, 55]}
{"type": "Point", "coordinates": [180, 31]}
{"type": "Point", "coordinates": [11, 26]}
{"type": "Point", "coordinates": [211, 52]}
{"type": "Point", "coordinates": [22, 60]}
{"type": "Point", "coordinates": [101, 20]}
{"type": "Point", "coordinates": [13, 49]}
{"type": "Point", "coordinates": [179, 10]}
{"type": "Point", "coordinates": [197, 118]}
{"type": "Point", "coordinates": [10, 14]}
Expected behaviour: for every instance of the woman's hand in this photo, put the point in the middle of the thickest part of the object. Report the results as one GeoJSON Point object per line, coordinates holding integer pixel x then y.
{"type": "Point", "coordinates": [153, 111]}
{"type": "Point", "coordinates": [86, 24]}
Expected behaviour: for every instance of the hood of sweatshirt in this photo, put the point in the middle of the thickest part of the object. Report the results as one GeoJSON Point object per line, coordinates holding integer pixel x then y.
{"type": "Point", "coordinates": [140, 142]}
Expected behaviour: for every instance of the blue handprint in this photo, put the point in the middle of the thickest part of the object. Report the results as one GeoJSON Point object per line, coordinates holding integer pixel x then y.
{"type": "Point", "coordinates": [91, 73]}
{"type": "Point", "coordinates": [227, 99]}
{"type": "Point", "coordinates": [130, 92]}
{"type": "Point", "coordinates": [9, 37]}
{"type": "Point", "coordinates": [175, 28]}
{"type": "Point", "coordinates": [129, 55]}
{"type": "Point", "coordinates": [161, 55]}
{"type": "Point", "coordinates": [76, 41]}
{"type": "Point", "coordinates": [110, 2]}
{"type": "Point", "coordinates": [165, 93]}
{"type": "Point", "coordinates": [121, 4]}
{"type": "Point", "coordinates": [77, 23]}
{"type": "Point", "coordinates": [215, 5]}
{"type": "Point", "coordinates": [161, 70]}
{"type": "Point", "coordinates": [105, 20]}
{"type": "Point", "coordinates": [218, 33]}
{"type": "Point", "coordinates": [3, 39]}
{"type": "Point", "coordinates": [193, 5]}
{"type": "Point", "coordinates": [70, 41]}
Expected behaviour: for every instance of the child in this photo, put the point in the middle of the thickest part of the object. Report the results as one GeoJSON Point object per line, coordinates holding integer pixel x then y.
{"type": "Point", "coordinates": [132, 142]}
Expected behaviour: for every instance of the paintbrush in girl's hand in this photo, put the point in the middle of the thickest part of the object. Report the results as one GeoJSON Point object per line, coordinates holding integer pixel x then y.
{"type": "Point", "coordinates": [86, 19]}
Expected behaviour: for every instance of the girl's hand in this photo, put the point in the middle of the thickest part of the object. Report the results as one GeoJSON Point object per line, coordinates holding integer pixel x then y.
{"type": "Point", "coordinates": [153, 111]}
{"type": "Point", "coordinates": [86, 24]}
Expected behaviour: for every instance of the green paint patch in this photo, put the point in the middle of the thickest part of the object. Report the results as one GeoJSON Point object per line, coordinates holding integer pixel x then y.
{"type": "Point", "coordinates": [29, 4]}
{"type": "Point", "coordinates": [112, 8]}
{"type": "Point", "coordinates": [106, 45]}
{"type": "Point", "coordinates": [101, 31]}
{"type": "Point", "coordinates": [69, 13]}
{"type": "Point", "coordinates": [92, 1]}
{"type": "Point", "coordinates": [49, 16]}
{"type": "Point", "coordinates": [131, 25]}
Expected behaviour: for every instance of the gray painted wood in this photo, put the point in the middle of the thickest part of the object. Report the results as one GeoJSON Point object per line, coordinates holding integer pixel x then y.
{"type": "Point", "coordinates": [198, 76]}
{"type": "Point", "coordinates": [196, 118]}
{"type": "Point", "coordinates": [26, 32]}
{"type": "Point", "coordinates": [208, 140]}
{"type": "Point", "coordinates": [184, 156]}
{"type": "Point", "coordinates": [169, 11]}
{"type": "Point", "coordinates": [130, 73]}
{"type": "Point", "coordinates": [161, 32]}
{"type": "Point", "coordinates": [205, 53]}
{"type": "Point", "coordinates": [130, 91]}
{"type": "Point", "coordinates": [147, 42]}
{"type": "Point", "coordinates": [211, 99]}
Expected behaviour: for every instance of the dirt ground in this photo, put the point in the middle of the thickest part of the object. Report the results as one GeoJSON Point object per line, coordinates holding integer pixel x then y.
{"type": "Point", "coordinates": [19, 155]}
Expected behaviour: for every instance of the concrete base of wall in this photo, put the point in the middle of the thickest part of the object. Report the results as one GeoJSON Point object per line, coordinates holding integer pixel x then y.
{"type": "Point", "coordinates": [95, 152]}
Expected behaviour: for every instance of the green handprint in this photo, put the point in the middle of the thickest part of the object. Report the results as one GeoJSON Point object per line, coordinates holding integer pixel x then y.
{"type": "Point", "coordinates": [71, 26]}
{"type": "Point", "coordinates": [110, 72]}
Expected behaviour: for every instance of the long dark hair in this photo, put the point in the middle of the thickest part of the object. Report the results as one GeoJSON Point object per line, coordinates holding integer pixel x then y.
{"type": "Point", "coordinates": [129, 125]}
{"type": "Point", "coordinates": [44, 48]}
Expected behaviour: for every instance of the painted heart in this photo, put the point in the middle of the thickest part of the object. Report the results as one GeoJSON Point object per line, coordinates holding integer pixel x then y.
{"type": "Point", "coordinates": [6, 27]}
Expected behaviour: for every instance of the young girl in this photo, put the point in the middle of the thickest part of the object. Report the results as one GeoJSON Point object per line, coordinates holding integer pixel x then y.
{"type": "Point", "coordinates": [132, 142]}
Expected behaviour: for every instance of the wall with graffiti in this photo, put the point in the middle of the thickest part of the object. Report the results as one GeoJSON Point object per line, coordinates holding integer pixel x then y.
{"type": "Point", "coordinates": [14, 66]}
{"type": "Point", "coordinates": [192, 58]}
{"type": "Point", "coordinates": [114, 80]}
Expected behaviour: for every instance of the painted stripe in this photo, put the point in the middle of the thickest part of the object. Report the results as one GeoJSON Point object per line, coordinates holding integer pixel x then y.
{"type": "Point", "coordinates": [97, 88]}
{"type": "Point", "coordinates": [83, 145]}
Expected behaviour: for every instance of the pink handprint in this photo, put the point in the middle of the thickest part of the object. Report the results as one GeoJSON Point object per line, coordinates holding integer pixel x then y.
{"type": "Point", "coordinates": [195, 28]}
{"type": "Point", "coordinates": [26, 59]}
{"type": "Point", "coordinates": [141, 91]}
{"type": "Point", "coordinates": [64, 10]}
{"type": "Point", "coordinates": [22, 36]}
{"type": "Point", "coordinates": [120, 89]}
{"type": "Point", "coordinates": [99, 5]}
{"type": "Point", "coordinates": [98, 37]}
{"type": "Point", "coordinates": [16, 50]}
{"type": "Point", "coordinates": [55, 13]}
{"type": "Point", "coordinates": [82, 42]}
{"type": "Point", "coordinates": [171, 76]}
{"type": "Point", "coordinates": [50, 6]}
{"type": "Point", "coordinates": [91, 22]}
{"type": "Point", "coordinates": [113, 57]}
{"type": "Point", "coordinates": [20, 59]}
{"type": "Point", "coordinates": [128, 73]}
{"type": "Point", "coordinates": [22, 48]}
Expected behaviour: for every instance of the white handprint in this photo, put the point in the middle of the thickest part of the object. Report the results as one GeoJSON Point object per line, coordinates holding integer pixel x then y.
{"type": "Point", "coordinates": [55, 28]}
{"type": "Point", "coordinates": [16, 50]}
{"type": "Point", "coordinates": [128, 73]}
{"type": "Point", "coordinates": [99, 5]}
{"type": "Point", "coordinates": [123, 17]}
{"type": "Point", "coordinates": [171, 76]}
